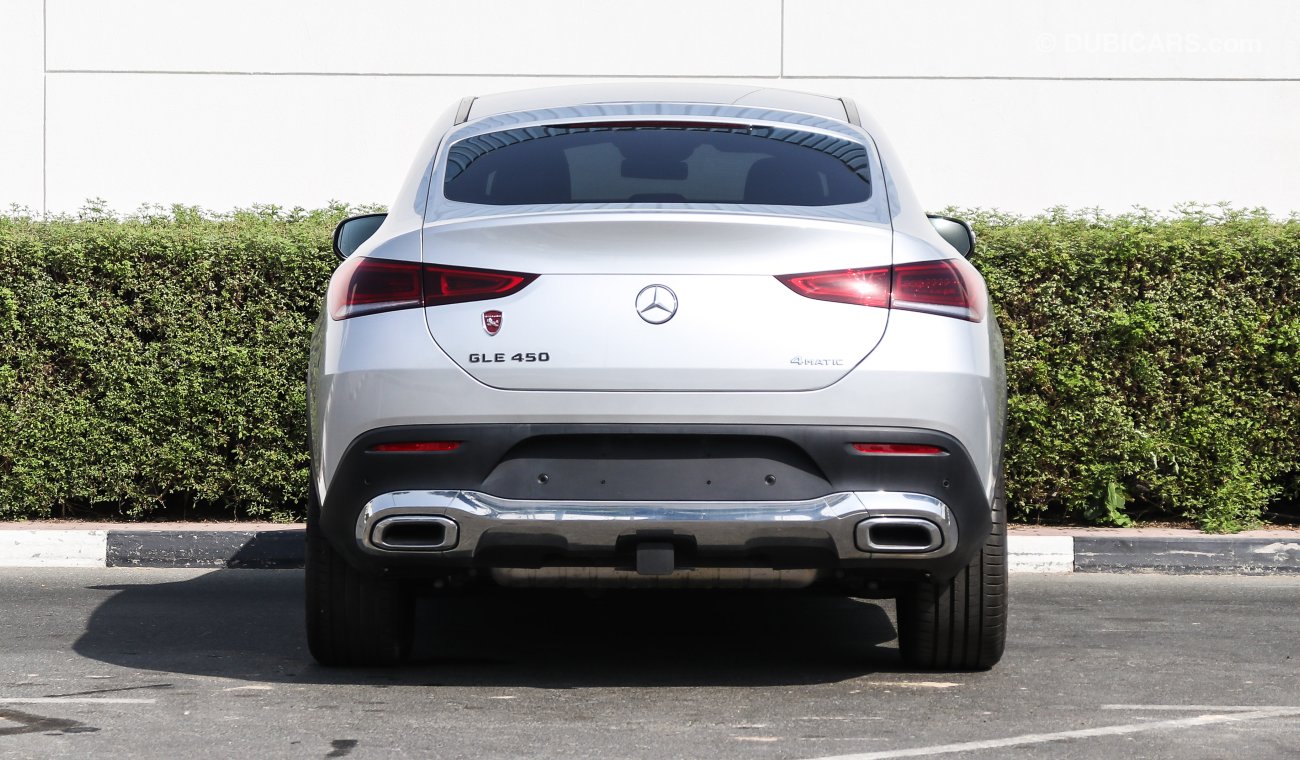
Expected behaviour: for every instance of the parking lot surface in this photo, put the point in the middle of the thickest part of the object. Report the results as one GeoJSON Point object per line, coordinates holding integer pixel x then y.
{"type": "Point", "coordinates": [172, 663]}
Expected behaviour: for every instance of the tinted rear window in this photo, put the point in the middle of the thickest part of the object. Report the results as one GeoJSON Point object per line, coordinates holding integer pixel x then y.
{"type": "Point", "coordinates": [662, 163]}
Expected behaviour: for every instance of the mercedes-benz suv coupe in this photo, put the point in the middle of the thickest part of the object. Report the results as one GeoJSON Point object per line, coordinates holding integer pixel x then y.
{"type": "Point", "coordinates": [657, 335]}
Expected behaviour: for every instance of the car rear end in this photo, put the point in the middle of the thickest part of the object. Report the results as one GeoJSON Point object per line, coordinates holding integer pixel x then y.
{"type": "Point", "coordinates": [655, 344]}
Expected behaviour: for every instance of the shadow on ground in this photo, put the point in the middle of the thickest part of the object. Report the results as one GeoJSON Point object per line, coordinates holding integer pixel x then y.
{"type": "Point", "coordinates": [248, 624]}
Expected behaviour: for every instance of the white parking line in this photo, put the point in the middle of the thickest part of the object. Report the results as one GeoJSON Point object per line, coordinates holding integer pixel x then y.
{"type": "Point", "coordinates": [1085, 733]}
{"type": "Point", "coordinates": [75, 701]}
{"type": "Point", "coordinates": [1200, 708]}
{"type": "Point", "coordinates": [840, 717]}
{"type": "Point", "coordinates": [914, 684]}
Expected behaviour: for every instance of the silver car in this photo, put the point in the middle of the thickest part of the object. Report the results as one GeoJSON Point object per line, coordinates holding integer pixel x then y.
{"type": "Point", "coordinates": [657, 336]}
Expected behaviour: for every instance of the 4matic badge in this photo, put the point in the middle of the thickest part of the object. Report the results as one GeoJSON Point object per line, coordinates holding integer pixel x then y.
{"type": "Point", "coordinates": [805, 361]}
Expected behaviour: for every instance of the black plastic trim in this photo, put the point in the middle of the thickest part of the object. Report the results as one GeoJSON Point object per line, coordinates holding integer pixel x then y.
{"type": "Point", "coordinates": [338, 232]}
{"type": "Point", "coordinates": [970, 233]}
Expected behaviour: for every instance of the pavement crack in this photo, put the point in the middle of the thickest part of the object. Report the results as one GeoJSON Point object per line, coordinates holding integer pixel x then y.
{"type": "Point", "coordinates": [109, 691]}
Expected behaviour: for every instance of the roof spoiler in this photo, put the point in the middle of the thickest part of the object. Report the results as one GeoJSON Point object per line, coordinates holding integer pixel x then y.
{"type": "Point", "coordinates": [462, 111]}
{"type": "Point", "coordinates": [851, 111]}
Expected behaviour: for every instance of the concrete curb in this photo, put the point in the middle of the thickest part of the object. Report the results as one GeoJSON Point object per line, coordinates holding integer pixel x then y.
{"type": "Point", "coordinates": [281, 546]}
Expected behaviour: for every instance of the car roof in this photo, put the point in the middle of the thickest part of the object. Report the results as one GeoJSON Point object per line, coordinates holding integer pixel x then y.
{"type": "Point", "coordinates": [657, 92]}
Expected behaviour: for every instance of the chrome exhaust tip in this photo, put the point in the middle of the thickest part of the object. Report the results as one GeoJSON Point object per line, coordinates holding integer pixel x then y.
{"type": "Point", "coordinates": [414, 533]}
{"type": "Point", "coordinates": [898, 535]}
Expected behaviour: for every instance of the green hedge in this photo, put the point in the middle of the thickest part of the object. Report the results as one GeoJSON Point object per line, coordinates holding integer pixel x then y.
{"type": "Point", "coordinates": [155, 365]}
{"type": "Point", "coordinates": [158, 362]}
{"type": "Point", "coordinates": [1153, 364]}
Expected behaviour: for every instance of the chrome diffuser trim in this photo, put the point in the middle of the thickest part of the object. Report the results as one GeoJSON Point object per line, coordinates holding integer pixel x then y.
{"type": "Point", "coordinates": [934, 536]}
{"type": "Point", "coordinates": [379, 533]}
{"type": "Point", "coordinates": [597, 525]}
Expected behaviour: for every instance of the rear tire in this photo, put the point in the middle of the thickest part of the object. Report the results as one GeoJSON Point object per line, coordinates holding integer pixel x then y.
{"type": "Point", "coordinates": [962, 624]}
{"type": "Point", "coordinates": [352, 619]}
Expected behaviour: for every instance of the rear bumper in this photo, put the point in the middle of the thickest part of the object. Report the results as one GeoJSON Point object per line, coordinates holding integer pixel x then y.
{"type": "Point", "coordinates": [384, 372]}
{"type": "Point", "coordinates": [775, 496]}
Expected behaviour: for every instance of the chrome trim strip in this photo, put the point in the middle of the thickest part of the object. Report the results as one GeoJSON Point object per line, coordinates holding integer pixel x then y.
{"type": "Point", "coordinates": [722, 524]}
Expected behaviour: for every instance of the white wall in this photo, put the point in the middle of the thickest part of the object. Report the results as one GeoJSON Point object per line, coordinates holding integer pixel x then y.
{"type": "Point", "coordinates": [1014, 104]}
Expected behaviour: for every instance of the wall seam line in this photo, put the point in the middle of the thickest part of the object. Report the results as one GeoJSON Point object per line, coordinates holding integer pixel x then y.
{"type": "Point", "coordinates": [781, 66]}
{"type": "Point", "coordinates": [45, 107]}
{"type": "Point", "coordinates": [847, 77]}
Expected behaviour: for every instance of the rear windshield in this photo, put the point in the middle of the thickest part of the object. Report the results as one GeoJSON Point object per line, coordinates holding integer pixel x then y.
{"type": "Point", "coordinates": [669, 162]}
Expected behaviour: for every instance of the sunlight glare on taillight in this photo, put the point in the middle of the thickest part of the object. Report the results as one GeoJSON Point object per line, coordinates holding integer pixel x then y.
{"type": "Point", "coordinates": [864, 287]}
{"type": "Point", "coordinates": [948, 287]}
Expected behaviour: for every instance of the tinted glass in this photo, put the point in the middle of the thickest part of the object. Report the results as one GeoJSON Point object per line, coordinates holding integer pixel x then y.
{"type": "Point", "coordinates": [353, 232]}
{"type": "Point", "coordinates": [657, 164]}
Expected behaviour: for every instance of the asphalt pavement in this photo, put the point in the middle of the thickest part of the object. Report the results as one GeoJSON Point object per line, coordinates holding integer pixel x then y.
{"type": "Point", "coordinates": [165, 663]}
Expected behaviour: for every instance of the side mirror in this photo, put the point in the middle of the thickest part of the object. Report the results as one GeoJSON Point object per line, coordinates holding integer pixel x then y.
{"type": "Point", "coordinates": [354, 231]}
{"type": "Point", "coordinates": [956, 232]}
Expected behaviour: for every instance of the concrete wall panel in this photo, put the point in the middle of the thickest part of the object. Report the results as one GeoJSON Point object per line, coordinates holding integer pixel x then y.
{"type": "Point", "coordinates": [1030, 38]}
{"type": "Point", "coordinates": [22, 75]}
{"type": "Point", "coordinates": [508, 37]}
{"type": "Point", "coordinates": [224, 141]}
{"type": "Point", "coordinates": [1025, 146]}
{"type": "Point", "coordinates": [1012, 104]}
{"type": "Point", "coordinates": [229, 140]}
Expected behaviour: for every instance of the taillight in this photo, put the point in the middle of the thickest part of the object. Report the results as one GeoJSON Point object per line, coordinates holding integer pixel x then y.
{"type": "Point", "coordinates": [865, 287]}
{"type": "Point", "coordinates": [906, 449]}
{"type": "Point", "coordinates": [424, 446]}
{"type": "Point", "coordinates": [949, 287]}
{"type": "Point", "coordinates": [365, 285]}
{"type": "Point", "coordinates": [443, 285]}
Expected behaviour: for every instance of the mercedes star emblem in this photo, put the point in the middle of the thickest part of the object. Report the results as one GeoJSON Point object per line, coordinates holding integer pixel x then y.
{"type": "Point", "coordinates": [656, 304]}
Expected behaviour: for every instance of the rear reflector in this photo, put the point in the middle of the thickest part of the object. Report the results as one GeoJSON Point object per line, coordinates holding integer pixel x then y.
{"type": "Point", "coordinates": [364, 285]}
{"type": "Point", "coordinates": [417, 446]}
{"type": "Point", "coordinates": [912, 449]}
{"type": "Point", "coordinates": [949, 287]}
